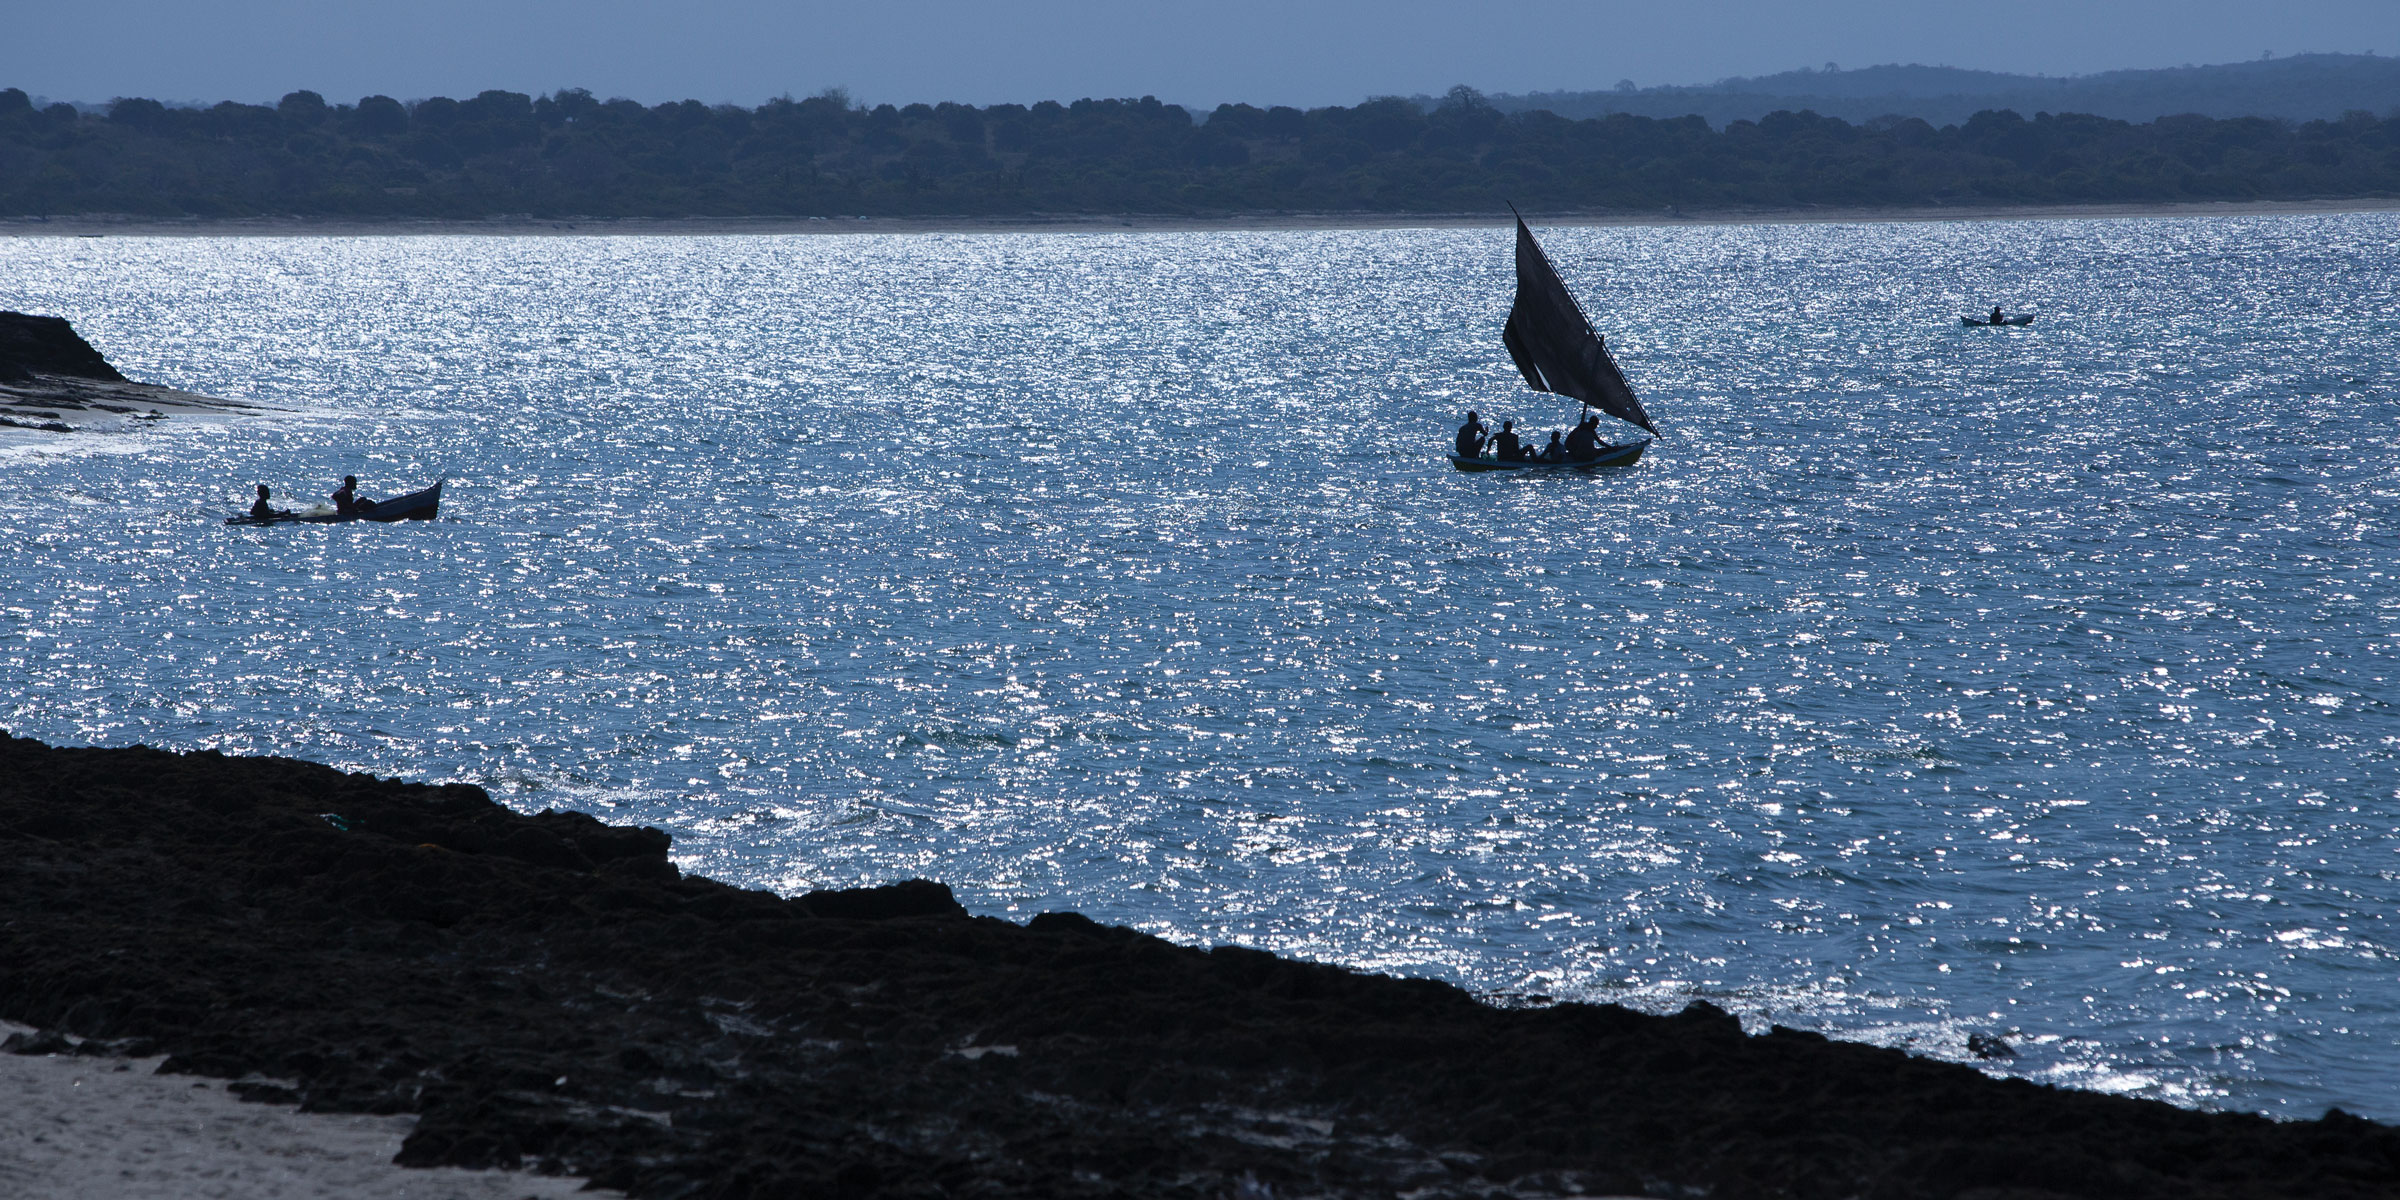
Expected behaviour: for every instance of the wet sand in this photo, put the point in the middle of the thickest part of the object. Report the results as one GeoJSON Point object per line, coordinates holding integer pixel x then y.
{"type": "Point", "coordinates": [106, 225]}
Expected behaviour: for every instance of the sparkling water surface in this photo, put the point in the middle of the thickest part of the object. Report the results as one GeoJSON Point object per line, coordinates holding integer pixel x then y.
{"type": "Point", "coordinates": [1922, 681]}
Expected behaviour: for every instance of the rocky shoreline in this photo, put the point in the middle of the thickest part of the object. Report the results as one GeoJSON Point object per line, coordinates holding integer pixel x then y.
{"type": "Point", "coordinates": [52, 381]}
{"type": "Point", "coordinates": [549, 992]}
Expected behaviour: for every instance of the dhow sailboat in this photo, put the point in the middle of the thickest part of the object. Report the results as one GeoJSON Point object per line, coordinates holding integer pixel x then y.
{"type": "Point", "coordinates": [1553, 344]}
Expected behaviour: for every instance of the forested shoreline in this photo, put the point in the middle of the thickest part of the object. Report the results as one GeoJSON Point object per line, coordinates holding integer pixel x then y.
{"type": "Point", "coordinates": [569, 154]}
{"type": "Point", "coordinates": [2305, 87]}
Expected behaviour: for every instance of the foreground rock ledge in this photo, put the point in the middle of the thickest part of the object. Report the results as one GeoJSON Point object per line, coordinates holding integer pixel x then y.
{"type": "Point", "coordinates": [547, 991]}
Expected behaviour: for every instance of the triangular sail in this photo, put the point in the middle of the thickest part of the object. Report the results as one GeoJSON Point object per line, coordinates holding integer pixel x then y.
{"type": "Point", "coordinates": [1555, 346]}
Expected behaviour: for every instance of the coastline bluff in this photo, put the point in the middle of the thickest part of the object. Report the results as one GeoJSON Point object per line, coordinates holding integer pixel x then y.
{"type": "Point", "coordinates": [547, 991]}
{"type": "Point", "coordinates": [48, 370]}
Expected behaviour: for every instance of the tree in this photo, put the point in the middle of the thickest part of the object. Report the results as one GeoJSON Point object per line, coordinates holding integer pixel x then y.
{"type": "Point", "coordinates": [381, 116]}
{"type": "Point", "coordinates": [306, 108]}
{"type": "Point", "coordinates": [137, 112]}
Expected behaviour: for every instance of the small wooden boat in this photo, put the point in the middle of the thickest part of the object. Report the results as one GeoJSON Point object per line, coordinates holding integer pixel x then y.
{"type": "Point", "coordinates": [2019, 319]}
{"type": "Point", "coordinates": [1609, 456]}
{"type": "Point", "coordinates": [415, 506]}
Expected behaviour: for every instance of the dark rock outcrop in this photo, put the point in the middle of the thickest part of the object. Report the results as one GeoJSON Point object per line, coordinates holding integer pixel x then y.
{"type": "Point", "coordinates": [550, 991]}
{"type": "Point", "coordinates": [31, 345]}
{"type": "Point", "coordinates": [47, 370]}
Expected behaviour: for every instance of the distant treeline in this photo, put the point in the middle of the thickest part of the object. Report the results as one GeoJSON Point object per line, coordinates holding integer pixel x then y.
{"type": "Point", "coordinates": [570, 155]}
{"type": "Point", "coordinates": [2308, 87]}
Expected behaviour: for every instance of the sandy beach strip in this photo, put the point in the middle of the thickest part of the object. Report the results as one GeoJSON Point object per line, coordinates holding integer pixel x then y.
{"type": "Point", "coordinates": [95, 1127]}
{"type": "Point", "coordinates": [523, 225]}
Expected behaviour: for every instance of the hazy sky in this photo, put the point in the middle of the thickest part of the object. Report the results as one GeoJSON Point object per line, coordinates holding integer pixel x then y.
{"type": "Point", "coordinates": [1197, 52]}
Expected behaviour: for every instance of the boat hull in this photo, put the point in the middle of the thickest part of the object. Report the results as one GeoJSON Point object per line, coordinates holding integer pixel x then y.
{"type": "Point", "coordinates": [415, 506]}
{"type": "Point", "coordinates": [2027, 319]}
{"type": "Point", "coordinates": [1609, 456]}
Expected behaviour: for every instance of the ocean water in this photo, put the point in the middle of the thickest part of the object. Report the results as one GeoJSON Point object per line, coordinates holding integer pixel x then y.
{"type": "Point", "coordinates": [1922, 681]}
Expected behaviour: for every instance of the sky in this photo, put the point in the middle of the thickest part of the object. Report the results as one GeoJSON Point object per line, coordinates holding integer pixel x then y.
{"type": "Point", "coordinates": [1299, 52]}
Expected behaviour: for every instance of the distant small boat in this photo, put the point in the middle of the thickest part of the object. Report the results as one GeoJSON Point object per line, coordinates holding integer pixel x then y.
{"type": "Point", "coordinates": [1609, 456]}
{"type": "Point", "coordinates": [415, 506]}
{"type": "Point", "coordinates": [2019, 319]}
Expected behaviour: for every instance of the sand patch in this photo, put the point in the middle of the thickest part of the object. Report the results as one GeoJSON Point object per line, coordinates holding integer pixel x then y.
{"type": "Point", "coordinates": [74, 1127]}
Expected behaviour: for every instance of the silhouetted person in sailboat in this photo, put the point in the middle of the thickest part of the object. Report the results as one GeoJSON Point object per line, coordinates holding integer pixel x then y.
{"type": "Point", "coordinates": [1585, 441]}
{"type": "Point", "coordinates": [1471, 435]}
{"type": "Point", "coordinates": [1509, 448]}
{"type": "Point", "coordinates": [259, 508]}
{"type": "Point", "coordinates": [1997, 319]}
{"type": "Point", "coordinates": [1554, 452]}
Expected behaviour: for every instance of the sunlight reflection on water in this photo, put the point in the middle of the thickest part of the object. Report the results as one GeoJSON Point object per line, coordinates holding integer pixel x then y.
{"type": "Point", "coordinates": [1923, 680]}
